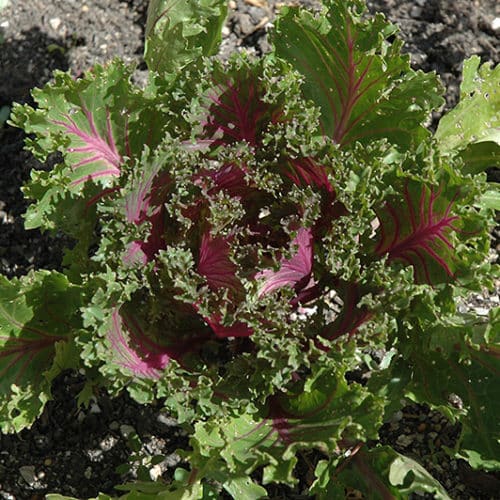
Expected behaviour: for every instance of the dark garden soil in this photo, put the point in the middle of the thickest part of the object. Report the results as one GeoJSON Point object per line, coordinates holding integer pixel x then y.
{"type": "Point", "coordinates": [75, 451]}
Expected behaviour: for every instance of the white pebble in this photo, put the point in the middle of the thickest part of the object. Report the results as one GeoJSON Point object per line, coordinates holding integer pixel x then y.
{"type": "Point", "coordinates": [155, 472]}
{"type": "Point", "coordinates": [95, 408]}
{"type": "Point", "coordinates": [495, 24]}
{"type": "Point", "coordinates": [404, 440]}
{"type": "Point", "coordinates": [55, 22]}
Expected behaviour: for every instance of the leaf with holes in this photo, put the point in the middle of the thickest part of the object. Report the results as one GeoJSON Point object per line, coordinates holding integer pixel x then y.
{"type": "Point", "coordinates": [476, 140]}
{"type": "Point", "coordinates": [179, 32]}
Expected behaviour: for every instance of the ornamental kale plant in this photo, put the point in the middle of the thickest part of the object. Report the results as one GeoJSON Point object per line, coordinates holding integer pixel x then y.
{"type": "Point", "coordinates": [245, 233]}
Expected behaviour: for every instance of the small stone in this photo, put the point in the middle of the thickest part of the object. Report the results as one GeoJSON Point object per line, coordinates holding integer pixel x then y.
{"type": "Point", "coordinates": [95, 408]}
{"type": "Point", "coordinates": [404, 440]}
{"type": "Point", "coordinates": [164, 419]}
{"type": "Point", "coordinates": [437, 427]}
{"type": "Point", "coordinates": [85, 8]}
{"type": "Point", "coordinates": [172, 460]}
{"type": "Point", "coordinates": [155, 472]}
{"type": "Point", "coordinates": [416, 11]}
{"type": "Point", "coordinates": [95, 455]}
{"type": "Point", "coordinates": [28, 474]}
{"type": "Point", "coordinates": [88, 472]}
{"type": "Point", "coordinates": [495, 24]}
{"type": "Point", "coordinates": [55, 22]}
{"type": "Point", "coordinates": [397, 416]}
{"type": "Point", "coordinates": [4, 24]}
{"type": "Point", "coordinates": [482, 311]}
{"type": "Point", "coordinates": [114, 425]}
{"type": "Point", "coordinates": [422, 427]}
{"type": "Point", "coordinates": [47, 462]}
{"type": "Point", "coordinates": [245, 25]}
{"type": "Point", "coordinates": [226, 31]}
{"type": "Point", "coordinates": [126, 430]}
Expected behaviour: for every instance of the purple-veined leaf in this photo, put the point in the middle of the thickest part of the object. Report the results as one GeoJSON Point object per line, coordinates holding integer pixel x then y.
{"type": "Point", "coordinates": [416, 230]}
{"type": "Point", "coordinates": [145, 203]}
{"type": "Point", "coordinates": [229, 178]}
{"type": "Point", "coordinates": [215, 265]}
{"type": "Point", "coordinates": [305, 171]}
{"type": "Point", "coordinates": [296, 271]}
{"type": "Point", "coordinates": [363, 86]}
{"type": "Point", "coordinates": [93, 153]}
{"type": "Point", "coordinates": [235, 110]}
{"type": "Point", "coordinates": [134, 351]}
{"type": "Point", "coordinates": [96, 122]}
{"type": "Point", "coordinates": [142, 252]}
{"type": "Point", "coordinates": [38, 313]}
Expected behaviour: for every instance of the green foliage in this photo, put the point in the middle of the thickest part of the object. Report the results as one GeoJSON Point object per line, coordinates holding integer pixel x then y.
{"type": "Point", "coordinates": [246, 233]}
{"type": "Point", "coordinates": [477, 140]}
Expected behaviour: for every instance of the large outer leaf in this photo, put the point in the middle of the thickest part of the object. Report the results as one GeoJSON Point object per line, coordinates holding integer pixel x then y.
{"type": "Point", "coordinates": [449, 360]}
{"type": "Point", "coordinates": [74, 116]}
{"type": "Point", "coordinates": [380, 474]}
{"type": "Point", "coordinates": [322, 412]}
{"type": "Point", "coordinates": [362, 84]}
{"type": "Point", "coordinates": [180, 31]}
{"type": "Point", "coordinates": [96, 122]}
{"type": "Point", "coordinates": [471, 371]}
{"type": "Point", "coordinates": [38, 316]}
{"type": "Point", "coordinates": [473, 126]}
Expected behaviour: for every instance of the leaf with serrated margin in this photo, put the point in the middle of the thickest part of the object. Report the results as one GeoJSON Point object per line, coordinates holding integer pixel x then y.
{"type": "Point", "coordinates": [181, 31]}
{"type": "Point", "coordinates": [74, 117]}
{"type": "Point", "coordinates": [319, 413]}
{"type": "Point", "coordinates": [97, 122]}
{"type": "Point", "coordinates": [39, 314]}
{"type": "Point", "coordinates": [361, 82]}
{"type": "Point", "coordinates": [472, 128]}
